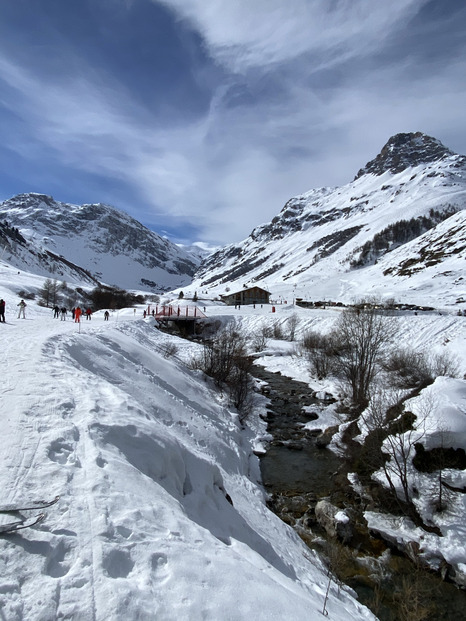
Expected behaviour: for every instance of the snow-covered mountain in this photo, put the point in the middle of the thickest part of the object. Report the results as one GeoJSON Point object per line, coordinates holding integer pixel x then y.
{"type": "Point", "coordinates": [89, 243]}
{"type": "Point", "coordinates": [397, 230]}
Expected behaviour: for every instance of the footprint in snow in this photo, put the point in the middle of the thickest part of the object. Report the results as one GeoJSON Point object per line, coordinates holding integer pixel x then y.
{"type": "Point", "coordinates": [117, 563]}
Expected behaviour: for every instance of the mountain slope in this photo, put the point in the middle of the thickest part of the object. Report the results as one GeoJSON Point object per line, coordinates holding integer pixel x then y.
{"type": "Point", "coordinates": [340, 243]}
{"type": "Point", "coordinates": [106, 243]}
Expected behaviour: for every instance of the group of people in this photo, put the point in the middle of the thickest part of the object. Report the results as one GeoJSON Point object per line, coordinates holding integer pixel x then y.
{"type": "Point", "coordinates": [60, 312]}
{"type": "Point", "coordinates": [57, 312]}
{"type": "Point", "coordinates": [76, 313]}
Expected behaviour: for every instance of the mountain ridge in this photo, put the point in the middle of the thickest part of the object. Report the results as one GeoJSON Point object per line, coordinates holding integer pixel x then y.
{"type": "Point", "coordinates": [106, 243]}
{"type": "Point", "coordinates": [370, 236]}
{"type": "Point", "coordinates": [312, 247]}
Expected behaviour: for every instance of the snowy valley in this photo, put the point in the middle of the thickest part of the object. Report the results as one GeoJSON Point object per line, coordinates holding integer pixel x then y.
{"type": "Point", "coordinates": [162, 511]}
{"type": "Point", "coordinates": [92, 243]}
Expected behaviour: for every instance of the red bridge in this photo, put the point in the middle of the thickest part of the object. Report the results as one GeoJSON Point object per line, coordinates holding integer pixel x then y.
{"type": "Point", "coordinates": [176, 313]}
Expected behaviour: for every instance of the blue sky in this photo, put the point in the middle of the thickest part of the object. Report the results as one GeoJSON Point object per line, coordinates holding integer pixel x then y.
{"type": "Point", "coordinates": [201, 118]}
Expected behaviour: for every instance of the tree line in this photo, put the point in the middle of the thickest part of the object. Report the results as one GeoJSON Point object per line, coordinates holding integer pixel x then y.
{"type": "Point", "coordinates": [53, 293]}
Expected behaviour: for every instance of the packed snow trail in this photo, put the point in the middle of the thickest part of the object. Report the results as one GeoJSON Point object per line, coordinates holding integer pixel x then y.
{"type": "Point", "coordinates": [160, 513]}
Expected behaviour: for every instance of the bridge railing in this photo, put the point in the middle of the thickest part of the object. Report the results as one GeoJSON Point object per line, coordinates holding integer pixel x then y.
{"type": "Point", "coordinates": [176, 312]}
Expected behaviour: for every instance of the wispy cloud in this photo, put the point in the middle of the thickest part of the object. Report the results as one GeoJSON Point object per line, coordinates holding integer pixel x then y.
{"type": "Point", "coordinates": [305, 97]}
{"type": "Point", "coordinates": [243, 35]}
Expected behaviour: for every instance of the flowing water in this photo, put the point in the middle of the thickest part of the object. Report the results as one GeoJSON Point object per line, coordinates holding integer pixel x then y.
{"type": "Point", "coordinates": [297, 472]}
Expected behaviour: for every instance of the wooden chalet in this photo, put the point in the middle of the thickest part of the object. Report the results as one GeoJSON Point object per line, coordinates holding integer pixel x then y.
{"type": "Point", "coordinates": [250, 295]}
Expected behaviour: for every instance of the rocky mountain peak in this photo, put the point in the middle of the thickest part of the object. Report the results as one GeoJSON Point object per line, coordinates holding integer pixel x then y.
{"type": "Point", "coordinates": [405, 151]}
{"type": "Point", "coordinates": [108, 244]}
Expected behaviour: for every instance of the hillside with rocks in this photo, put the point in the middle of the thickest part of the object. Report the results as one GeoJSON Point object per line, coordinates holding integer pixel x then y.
{"type": "Point", "coordinates": [397, 230]}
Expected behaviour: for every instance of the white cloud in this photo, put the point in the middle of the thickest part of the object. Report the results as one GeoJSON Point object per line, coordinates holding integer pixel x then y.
{"type": "Point", "coordinates": [247, 34]}
{"type": "Point", "coordinates": [236, 166]}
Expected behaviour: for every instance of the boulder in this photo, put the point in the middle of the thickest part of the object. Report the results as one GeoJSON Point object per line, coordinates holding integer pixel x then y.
{"type": "Point", "coordinates": [334, 520]}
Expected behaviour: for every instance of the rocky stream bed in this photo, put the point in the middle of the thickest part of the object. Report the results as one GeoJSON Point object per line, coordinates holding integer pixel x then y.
{"type": "Point", "coordinates": [307, 485]}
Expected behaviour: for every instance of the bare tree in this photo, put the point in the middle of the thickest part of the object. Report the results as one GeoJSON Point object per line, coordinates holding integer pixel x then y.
{"type": "Point", "coordinates": [362, 338]}
{"type": "Point", "coordinates": [292, 324]}
{"type": "Point", "coordinates": [48, 293]}
{"type": "Point", "coordinates": [259, 338]}
{"type": "Point", "coordinates": [435, 461]}
{"type": "Point", "coordinates": [318, 349]}
{"type": "Point", "coordinates": [403, 433]}
{"type": "Point", "coordinates": [443, 495]}
{"type": "Point", "coordinates": [225, 359]}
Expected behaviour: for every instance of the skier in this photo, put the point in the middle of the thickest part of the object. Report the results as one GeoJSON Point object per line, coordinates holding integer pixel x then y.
{"type": "Point", "coordinates": [63, 313]}
{"type": "Point", "coordinates": [22, 309]}
{"type": "Point", "coordinates": [88, 313]}
{"type": "Point", "coordinates": [106, 315]}
{"type": "Point", "coordinates": [77, 315]}
{"type": "Point", "coordinates": [2, 311]}
{"type": "Point", "coordinates": [56, 311]}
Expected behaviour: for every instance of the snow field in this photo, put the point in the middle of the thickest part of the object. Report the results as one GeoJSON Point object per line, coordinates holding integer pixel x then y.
{"type": "Point", "coordinates": [161, 514]}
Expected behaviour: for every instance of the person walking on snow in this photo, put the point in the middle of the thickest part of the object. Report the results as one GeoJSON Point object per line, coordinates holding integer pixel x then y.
{"type": "Point", "coordinates": [63, 313]}
{"type": "Point", "coordinates": [56, 311]}
{"type": "Point", "coordinates": [22, 309]}
{"type": "Point", "coordinates": [77, 315]}
{"type": "Point", "coordinates": [88, 313]}
{"type": "Point", "coordinates": [2, 311]}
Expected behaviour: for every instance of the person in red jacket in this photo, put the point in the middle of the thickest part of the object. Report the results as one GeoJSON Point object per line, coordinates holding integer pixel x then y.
{"type": "Point", "coordinates": [88, 313]}
{"type": "Point", "coordinates": [77, 315]}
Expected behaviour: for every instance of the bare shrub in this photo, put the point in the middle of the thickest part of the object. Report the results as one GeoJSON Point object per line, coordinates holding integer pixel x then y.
{"type": "Point", "coordinates": [413, 597]}
{"type": "Point", "coordinates": [259, 338]}
{"type": "Point", "coordinates": [361, 340]}
{"type": "Point", "coordinates": [412, 369]}
{"type": "Point", "coordinates": [444, 364]}
{"type": "Point", "coordinates": [240, 386]}
{"type": "Point", "coordinates": [225, 359]}
{"type": "Point", "coordinates": [277, 331]}
{"type": "Point", "coordinates": [221, 353]}
{"type": "Point", "coordinates": [408, 368]}
{"type": "Point", "coordinates": [318, 349]}
{"type": "Point", "coordinates": [292, 324]}
{"type": "Point", "coordinates": [26, 295]}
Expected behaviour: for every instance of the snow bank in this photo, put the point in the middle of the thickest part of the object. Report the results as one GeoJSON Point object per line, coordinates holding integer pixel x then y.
{"type": "Point", "coordinates": [161, 513]}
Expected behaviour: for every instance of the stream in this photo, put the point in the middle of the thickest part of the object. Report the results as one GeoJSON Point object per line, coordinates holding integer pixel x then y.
{"type": "Point", "coordinates": [297, 473]}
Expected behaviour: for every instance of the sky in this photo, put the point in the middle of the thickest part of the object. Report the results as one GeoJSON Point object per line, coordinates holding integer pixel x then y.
{"type": "Point", "coordinates": [201, 118]}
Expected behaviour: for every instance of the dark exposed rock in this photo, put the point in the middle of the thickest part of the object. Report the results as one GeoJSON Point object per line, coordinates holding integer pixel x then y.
{"type": "Point", "coordinates": [404, 151]}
